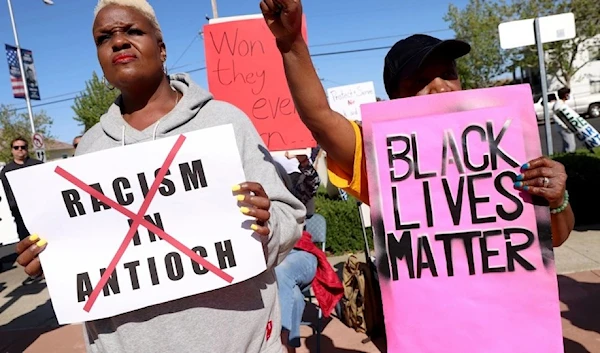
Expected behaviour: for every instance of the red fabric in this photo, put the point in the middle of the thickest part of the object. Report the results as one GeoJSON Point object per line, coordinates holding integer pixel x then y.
{"type": "Point", "coordinates": [326, 284]}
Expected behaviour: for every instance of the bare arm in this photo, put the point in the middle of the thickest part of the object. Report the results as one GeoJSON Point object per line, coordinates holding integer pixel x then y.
{"type": "Point", "coordinates": [331, 130]}
{"type": "Point", "coordinates": [562, 225]}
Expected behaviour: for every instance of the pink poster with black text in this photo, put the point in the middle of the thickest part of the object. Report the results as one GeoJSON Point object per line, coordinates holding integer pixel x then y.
{"type": "Point", "coordinates": [465, 260]}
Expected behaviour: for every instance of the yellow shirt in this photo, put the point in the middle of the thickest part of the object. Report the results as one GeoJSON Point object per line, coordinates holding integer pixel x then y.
{"type": "Point", "coordinates": [355, 184]}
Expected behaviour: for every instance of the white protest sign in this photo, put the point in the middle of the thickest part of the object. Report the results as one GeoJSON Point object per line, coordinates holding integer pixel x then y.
{"type": "Point", "coordinates": [194, 204]}
{"type": "Point", "coordinates": [8, 227]}
{"type": "Point", "coordinates": [585, 132]}
{"type": "Point", "coordinates": [346, 100]}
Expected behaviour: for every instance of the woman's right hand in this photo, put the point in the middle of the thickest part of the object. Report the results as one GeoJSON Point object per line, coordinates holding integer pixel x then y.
{"type": "Point", "coordinates": [28, 250]}
{"type": "Point", "coordinates": [284, 19]}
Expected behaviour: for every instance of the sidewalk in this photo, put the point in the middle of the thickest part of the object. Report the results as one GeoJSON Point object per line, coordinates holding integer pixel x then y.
{"type": "Point", "coordinates": [27, 322]}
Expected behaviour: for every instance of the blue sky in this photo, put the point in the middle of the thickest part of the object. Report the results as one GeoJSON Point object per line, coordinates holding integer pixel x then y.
{"type": "Point", "coordinates": [64, 52]}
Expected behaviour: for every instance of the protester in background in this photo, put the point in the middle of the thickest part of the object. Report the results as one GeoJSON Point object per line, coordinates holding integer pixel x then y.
{"type": "Point", "coordinates": [567, 136]}
{"type": "Point", "coordinates": [415, 66]}
{"type": "Point", "coordinates": [20, 152]}
{"type": "Point", "coordinates": [76, 141]}
{"type": "Point", "coordinates": [304, 179]}
{"type": "Point", "coordinates": [306, 264]}
{"type": "Point", "coordinates": [244, 317]}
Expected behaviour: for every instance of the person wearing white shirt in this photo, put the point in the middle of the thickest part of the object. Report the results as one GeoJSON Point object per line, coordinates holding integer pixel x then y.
{"type": "Point", "coordinates": [568, 137]}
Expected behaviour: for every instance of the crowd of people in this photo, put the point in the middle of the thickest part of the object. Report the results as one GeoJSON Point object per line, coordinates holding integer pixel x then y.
{"type": "Point", "coordinates": [280, 190]}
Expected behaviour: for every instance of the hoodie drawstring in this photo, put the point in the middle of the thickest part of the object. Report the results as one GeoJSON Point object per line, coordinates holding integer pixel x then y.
{"type": "Point", "coordinates": [153, 133]}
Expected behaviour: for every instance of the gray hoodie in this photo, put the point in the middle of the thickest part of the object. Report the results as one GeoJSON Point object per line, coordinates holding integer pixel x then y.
{"type": "Point", "coordinates": [241, 318]}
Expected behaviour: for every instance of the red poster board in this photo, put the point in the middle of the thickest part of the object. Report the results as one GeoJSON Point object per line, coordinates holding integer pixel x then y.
{"type": "Point", "coordinates": [244, 68]}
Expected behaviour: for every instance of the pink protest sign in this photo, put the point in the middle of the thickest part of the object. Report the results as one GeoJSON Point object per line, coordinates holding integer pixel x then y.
{"type": "Point", "coordinates": [465, 260]}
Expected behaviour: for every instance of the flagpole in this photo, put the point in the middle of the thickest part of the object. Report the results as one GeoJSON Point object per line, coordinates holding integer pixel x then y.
{"type": "Point", "coordinates": [26, 89]}
{"type": "Point", "coordinates": [213, 3]}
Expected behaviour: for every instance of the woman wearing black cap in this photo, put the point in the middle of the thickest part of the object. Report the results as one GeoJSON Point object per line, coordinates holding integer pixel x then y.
{"type": "Point", "coordinates": [417, 65]}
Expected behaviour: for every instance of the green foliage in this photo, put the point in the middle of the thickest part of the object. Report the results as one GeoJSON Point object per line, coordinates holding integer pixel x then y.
{"type": "Point", "coordinates": [96, 100]}
{"type": "Point", "coordinates": [583, 169]}
{"type": "Point", "coordinates": [13, 125]}
{"type": "Point", "coordinates": [344, 230]}
{"type": "Point", "coordinates": [560, 61]}
{"type": "Point", "coordinates": [477, 24]}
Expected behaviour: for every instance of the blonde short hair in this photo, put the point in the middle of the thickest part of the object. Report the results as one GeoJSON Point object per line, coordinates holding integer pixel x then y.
{"type": "Point", "coordinates": [141, 5]}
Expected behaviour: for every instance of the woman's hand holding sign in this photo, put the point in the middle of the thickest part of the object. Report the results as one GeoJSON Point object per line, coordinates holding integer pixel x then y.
{"type": "Point", "coordinates": [258, 204]}
{"type": "Point", "coordinates": [28, 250]}
{"type": "Point", "coordinates": [547, 178]}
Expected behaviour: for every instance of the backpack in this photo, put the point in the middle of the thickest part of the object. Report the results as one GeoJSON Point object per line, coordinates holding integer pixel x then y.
{"type": "Point", "coordinates": [361, 304]}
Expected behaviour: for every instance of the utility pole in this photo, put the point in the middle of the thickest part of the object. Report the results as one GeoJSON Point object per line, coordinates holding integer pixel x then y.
{"type": "Point", "coordinates": [214, 8]}
{"type": "Point", "coordinates": [20, 58]}
{"type": "Point", "coordinates": [544, 83]}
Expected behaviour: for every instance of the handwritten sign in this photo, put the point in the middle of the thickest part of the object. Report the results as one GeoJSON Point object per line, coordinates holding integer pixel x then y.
{"type": "Point", "coordinates": [569, 119]}
{"type": "Point", "coordinates": [8, 227]}
{"type": "Point", "coordinates": [462, 256]}
{"type": "Point", "coordinates": [347, 100]}
{"type": "Point", "coordinates": [244, 68]}
{"type": "Point", "coordinates": [170, 218]}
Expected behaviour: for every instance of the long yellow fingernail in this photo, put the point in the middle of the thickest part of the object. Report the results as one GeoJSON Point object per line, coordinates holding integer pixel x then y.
{"type": "Point", "coordinates": [241, 197]}
{"type": "Point", "coordinates": [244, 210]}
{"type": "Point", "coordinates": [41, 243]}
{"type": "Point", "coordinates": [33, 237]}
{"type": "Point", "coordinates": [254, 227]}
{"type": "Point", "coordinates": [236, 188]}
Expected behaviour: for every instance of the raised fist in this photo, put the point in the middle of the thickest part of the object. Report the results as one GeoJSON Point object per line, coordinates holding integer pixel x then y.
{"type": "Point", "coordinates": [284, 18]}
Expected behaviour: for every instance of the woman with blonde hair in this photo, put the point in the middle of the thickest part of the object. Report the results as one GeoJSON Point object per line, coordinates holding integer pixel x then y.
{"type": "Point", "coordinates": [241, 318]}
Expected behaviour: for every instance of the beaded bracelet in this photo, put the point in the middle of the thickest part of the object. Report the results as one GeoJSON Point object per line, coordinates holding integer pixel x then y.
{"type": "Point", "coordinates": [562, 207]}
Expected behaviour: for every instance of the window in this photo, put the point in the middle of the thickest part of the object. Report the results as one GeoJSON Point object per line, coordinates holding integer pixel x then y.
{"type": "Point", "coordinates": [594, 86]}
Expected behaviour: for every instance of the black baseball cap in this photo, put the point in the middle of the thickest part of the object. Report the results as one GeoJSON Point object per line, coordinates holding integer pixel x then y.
{"type": "Point", "coordinates": [407, 56]}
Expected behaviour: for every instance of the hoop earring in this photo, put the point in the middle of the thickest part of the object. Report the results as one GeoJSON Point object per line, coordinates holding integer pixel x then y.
{"type": "Point", "coordinates": [108, 85]}
{"type": "Point", "coordinates": [165, 70]}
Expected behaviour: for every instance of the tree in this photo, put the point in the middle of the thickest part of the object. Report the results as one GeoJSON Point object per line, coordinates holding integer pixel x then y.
{"type": "Point", "coordinates": [477, 24]}
{"type": "Point", "coordinates": [561, 57]}
{"type": "Point", "coordinates": [94, 102]}
{"type": "Point", "coordinates": [13, 125]}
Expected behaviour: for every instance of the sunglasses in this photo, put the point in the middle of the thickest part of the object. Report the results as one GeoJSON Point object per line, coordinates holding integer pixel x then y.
{"type": "Point", "coordinates": [16, 148]}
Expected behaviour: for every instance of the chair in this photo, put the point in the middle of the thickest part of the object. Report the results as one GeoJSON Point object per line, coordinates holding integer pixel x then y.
{"type": "Point", "coordinates": [317, 227]}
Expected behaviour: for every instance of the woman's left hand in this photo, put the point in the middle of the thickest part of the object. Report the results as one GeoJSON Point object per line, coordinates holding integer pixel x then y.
{"type": "Point", "coordinates": [255, 203]}
{"type": "Point", "coordinates": [544, 177]}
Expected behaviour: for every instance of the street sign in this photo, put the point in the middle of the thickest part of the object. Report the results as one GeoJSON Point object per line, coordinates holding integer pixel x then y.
{"type": "Point", "coordinates": [522, 33]}
{"type": "Point", "coordinates": [516, 34]}
{"type": "Point", "coordinates": [38, 141]}
{"type": "Point", "coordinates": [41, 155]}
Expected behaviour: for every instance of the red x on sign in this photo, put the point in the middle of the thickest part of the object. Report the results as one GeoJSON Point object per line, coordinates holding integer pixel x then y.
{"type": "Point", "coordinates": [138, 219]}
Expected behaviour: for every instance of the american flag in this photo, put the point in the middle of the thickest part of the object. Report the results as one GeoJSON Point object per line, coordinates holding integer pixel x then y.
{"type": "Point", "coordinates": [15, 74]}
